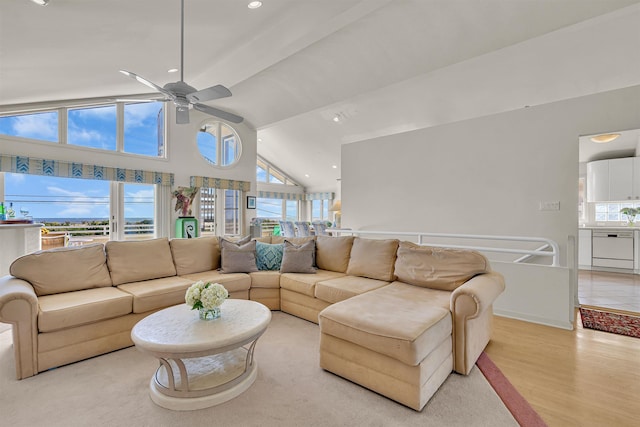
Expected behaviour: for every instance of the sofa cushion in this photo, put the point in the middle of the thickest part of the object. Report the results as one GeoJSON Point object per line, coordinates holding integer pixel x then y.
{"type": "Point", "coordinates": [303, 283]}
{"type": "Point", "coordinates": [63, 269]}
{"type": "Point", "coordinates": [438, 268]}
{"type": "Point", "coordinates": [195, 255]}
{"type": "Point", "coordinates": [373, 258]}
{"type": "Point", "coordinates": [71, 309]}
{"type": "Point", "coordinates": [238, 257]}
{"type": "Point", "coordinates": [157, 293]}
{"type": "Point", "coordinates": [268, 256]}
{"type": "Point", "coordinates": [234, 282]}
{"type": "Point", "coordinates": [400, 325]}
{"type": "Point", "coordinates": [332, 253]}
{"type": "Point", "coordinates": [265, 279]}
{"type": "Point", "coordinates": [132, 261]}
{"type": "Point", "coordinates": [342, 288]}
{"type": "Point", "coordinates": [298, 258]}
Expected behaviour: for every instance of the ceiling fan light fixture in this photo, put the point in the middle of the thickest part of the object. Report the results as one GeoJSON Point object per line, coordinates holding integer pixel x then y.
{"type": "Point", "coordinates": [605, 137]}
{"type": "Point", "coordinates": [41, 2]}
{"type": "Point", "coordinates": [254, 4]}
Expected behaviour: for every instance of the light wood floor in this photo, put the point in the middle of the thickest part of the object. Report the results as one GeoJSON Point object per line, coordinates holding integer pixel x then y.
{"type": "Point", "coordinates": [571, 378]}
{"type": "Point", "coordinates": [619, 291]}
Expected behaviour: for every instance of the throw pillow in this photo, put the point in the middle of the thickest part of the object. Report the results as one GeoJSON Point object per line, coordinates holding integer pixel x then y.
{"type": "Point", "coordinates": [438, 268]}
{"type": "Point", "coordinates": [298, 258]}
{"type": "Point", "coordinates": [269, 257]}
{"type": "Point", "coordinates": [238, 258]}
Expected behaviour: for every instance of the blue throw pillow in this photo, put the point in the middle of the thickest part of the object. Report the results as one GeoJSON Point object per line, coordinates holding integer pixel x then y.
{"type": "Point", "coordinates": [268, 257]}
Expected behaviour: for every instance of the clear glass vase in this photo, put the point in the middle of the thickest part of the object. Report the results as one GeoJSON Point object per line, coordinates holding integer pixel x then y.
{"type": "Point", "coordinates": [209, 313]}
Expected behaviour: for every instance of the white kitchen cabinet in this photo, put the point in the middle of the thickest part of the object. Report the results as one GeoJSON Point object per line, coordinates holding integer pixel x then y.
{"type": "Point", "coordinates": [614, 180]}
{"type": "Point", "coordinates": [598, 181]}
{"type": "Point", "coordinates": [621, 179]}
{"type": "Point", "coordinates": [584, 249]}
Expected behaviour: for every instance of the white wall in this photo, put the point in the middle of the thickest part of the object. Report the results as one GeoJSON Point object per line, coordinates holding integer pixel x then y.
{"type": "Point", "coordinates": [482, 176]}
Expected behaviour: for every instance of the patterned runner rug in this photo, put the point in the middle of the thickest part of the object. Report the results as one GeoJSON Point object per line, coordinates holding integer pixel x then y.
{"type": "Point", "coordinates": [610, 320]}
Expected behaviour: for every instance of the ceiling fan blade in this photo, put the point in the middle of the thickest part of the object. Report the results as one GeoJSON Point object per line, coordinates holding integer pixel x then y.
{"type": "Point", "coordinates": [182, 115]}
{"type": "Point", "coordinates": [218, 113]}
{"type": "Point", "coordinates": [209, 94]}
{"type": "Point", "coordinates": [148, 83]}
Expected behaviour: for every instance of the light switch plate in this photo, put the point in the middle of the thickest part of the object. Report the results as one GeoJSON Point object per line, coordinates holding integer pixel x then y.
{"type": "Point", "coordinates": [550, 206]}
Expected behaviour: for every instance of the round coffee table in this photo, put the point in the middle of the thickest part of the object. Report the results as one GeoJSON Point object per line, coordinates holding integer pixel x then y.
{"type": "Point", "coordinates": [202, 362]}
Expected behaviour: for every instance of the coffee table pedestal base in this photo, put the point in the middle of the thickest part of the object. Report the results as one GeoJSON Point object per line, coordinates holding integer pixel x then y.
{"type": "Point", "coordinates": [194, 403]}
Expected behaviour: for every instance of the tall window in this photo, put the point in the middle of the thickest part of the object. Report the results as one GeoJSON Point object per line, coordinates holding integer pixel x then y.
{"type": "Point", "coordinates": [319, 209]}
{"type": "Point", "coordinates": [219, 144]}
{"type": "Point", "coordinates": [232, 212]}
{"type": "Point", "coordinates": [207, 210]}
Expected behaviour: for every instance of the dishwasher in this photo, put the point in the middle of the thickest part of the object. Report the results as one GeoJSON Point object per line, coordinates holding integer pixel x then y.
{"type": "Point", "coordinates": [612, 249]}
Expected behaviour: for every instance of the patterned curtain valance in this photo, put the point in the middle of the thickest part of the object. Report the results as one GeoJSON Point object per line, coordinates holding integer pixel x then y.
{"type": "Point", "coordinates": [283, 196]}
{"type": "Point", "coordinates": [225, 184]}
{"type": "Point", "coordinates": [319, 196]}
{"type": "Point", "coordinates": [30, 165]}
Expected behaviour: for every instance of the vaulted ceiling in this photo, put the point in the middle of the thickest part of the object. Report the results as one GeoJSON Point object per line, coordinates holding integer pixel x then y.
{"type": "Point", "coordinates": [380, 66]}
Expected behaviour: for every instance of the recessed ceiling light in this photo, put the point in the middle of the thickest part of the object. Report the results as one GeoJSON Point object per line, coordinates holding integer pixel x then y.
{"type": "Point", "coordinates": [604, 138]}
{"type": "Point", "coordinates": [336, 118]}
{"type": "Point", "coordinates": [259, 139]}
{"type": "Point", "coordinates": [41, 2]}
{"type": "Point", "coordinates": [306, 175]}
{"type": "Point", "coordinates": [335, 166]}
{"type": "Point", "coordinates": [172, 70]}
{"type": "Point", "coordinates": [254, 4]}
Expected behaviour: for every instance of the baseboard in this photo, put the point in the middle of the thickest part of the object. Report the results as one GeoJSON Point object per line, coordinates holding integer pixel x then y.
{"type": "Point", "coordinates": [534, 319]}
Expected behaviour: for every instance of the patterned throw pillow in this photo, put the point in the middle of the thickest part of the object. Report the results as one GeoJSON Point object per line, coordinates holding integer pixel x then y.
{"type": "Point", "coordinates": [269, 257]}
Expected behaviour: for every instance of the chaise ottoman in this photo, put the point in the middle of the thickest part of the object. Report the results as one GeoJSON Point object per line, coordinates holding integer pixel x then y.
{"type": "Point", "coordinates": [397, 346]}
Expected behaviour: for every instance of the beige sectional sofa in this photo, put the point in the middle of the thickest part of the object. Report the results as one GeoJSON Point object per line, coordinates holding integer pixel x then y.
{"type": "Point", "coordinates": [394, 316]}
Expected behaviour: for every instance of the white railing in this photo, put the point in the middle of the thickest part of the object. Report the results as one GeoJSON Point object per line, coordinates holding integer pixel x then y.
{"type": "Point", "coordinates": [100, 230]}
{"type": "Point", "coordinates": [549, 248]}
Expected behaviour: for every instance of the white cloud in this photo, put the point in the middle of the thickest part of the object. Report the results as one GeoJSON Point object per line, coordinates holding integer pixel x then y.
{"type": "Point", "coordinates": [141, 196]}
{"type": "Point", "coordinates": [43, 125]}
{"type": "Point", "coordinates": [15, 178]}
{"type": "Point", "coordinates": [96, 112]}
{"type": "Point", "coordinates": [136, 115]}
{"type": "Point", "coordinates": [76, 211]}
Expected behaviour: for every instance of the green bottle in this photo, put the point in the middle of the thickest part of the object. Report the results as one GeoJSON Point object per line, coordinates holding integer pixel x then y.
{"type": "Point", "coordinates": [3, 216]}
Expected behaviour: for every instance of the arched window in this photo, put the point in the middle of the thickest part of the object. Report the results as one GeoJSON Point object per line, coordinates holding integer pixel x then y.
{"type": "Point", "coordinates": [219, 144]}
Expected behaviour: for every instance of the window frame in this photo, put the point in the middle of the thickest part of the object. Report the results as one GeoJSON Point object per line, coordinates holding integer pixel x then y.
{"type": "Point", "coordinates": [221, 143]}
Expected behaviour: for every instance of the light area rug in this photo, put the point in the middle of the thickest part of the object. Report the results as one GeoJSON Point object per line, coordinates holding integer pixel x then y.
{"type": "Point", "coordinates": [291, 390]}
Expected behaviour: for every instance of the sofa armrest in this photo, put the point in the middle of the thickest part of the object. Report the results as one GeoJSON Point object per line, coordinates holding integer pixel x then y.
{"type": "Point", "coordinates": [472, 309]}
{"type": "Point", "coordinates": [19, 307]}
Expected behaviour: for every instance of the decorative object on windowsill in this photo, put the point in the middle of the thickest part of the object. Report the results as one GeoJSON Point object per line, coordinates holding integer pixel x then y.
{"type": "Point", "coordinates": [206, 298]}
{"type": "Point", "coordinates": [631, 215]}
{"type": "Point", "coordinates": [184, 198]}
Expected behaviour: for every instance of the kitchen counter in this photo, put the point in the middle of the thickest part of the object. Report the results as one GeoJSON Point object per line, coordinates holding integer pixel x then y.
{"type": "Point", "coordinates": [17, 240]}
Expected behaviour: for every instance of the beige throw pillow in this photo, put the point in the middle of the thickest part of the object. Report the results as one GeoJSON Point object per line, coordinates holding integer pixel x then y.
{"type": "Point", "coordinates": [238, 257]}
{"type": "Point", "coordinates": [332, 253]}
{"type": "Point", "coordinates": [195, 255]}
{"type": "Point", "coordinates": [63, 269]}
{"type": "Point", "coordinates": [133, 261]}
{"type": "Point", "coordinates": [298, 258]}
{"type": "Point", "coordinates": [373, 258]}
{"type": "Point", "coordinates": [438, 268]}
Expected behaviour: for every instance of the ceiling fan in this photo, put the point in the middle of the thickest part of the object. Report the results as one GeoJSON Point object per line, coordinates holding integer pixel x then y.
{"type": "Point", "coordinates": [185, 96]}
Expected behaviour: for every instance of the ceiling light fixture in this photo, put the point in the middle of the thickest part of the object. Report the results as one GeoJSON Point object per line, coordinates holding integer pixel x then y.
{"type": "Point", "coordinates": [335, 166]}
{"type": "Point", "coordinates": [254, 4]}
{"type": "Point", "coordinates": [306, 175]}
{"type": "Point", "coordinates": [172, 70]}
{"type": "Point", "coordinates": [41, 2]}
{"type": "Point", "coordinates": [604, 138]}
{"type": "Point", "coordinates": [336, 118]}
{"type": "Point", "coordinates": [259, 139]}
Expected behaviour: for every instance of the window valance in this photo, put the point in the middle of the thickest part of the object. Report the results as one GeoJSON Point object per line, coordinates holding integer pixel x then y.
{"type": "Point", "coordinates": [62, 169]}
{"type": "Point", "coordinates": [319, 196]}
{"type": "Point", "coordinates": [282, 196]}
{"type": "Point", "coordinates": [225, 184]}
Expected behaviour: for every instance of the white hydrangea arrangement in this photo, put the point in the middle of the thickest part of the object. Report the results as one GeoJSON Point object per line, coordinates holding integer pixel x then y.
{"type": "Point", "coordinates": [205, 295]}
